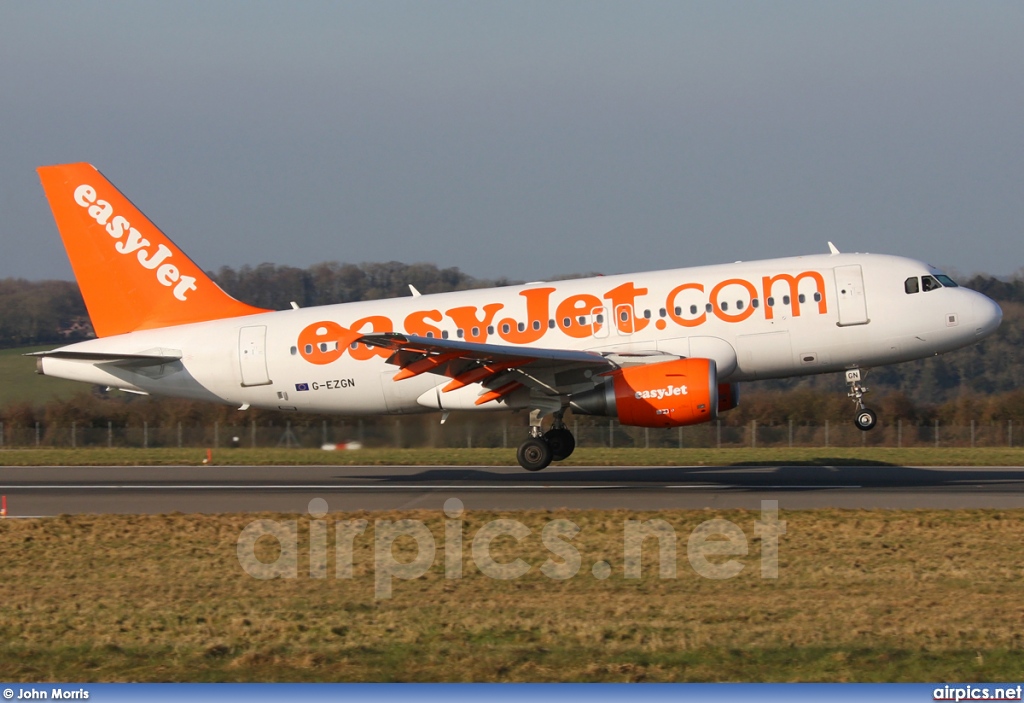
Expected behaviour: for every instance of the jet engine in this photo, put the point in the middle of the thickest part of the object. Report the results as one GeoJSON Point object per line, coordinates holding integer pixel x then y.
{"type": "Point", "coordinates": [665, 394]}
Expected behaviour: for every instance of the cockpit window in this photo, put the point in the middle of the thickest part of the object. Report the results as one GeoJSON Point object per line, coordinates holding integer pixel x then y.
{"type": "Point", "coordinates": [946, 281]}
{"type": "Point", "coordinates": [929, 283]}
{"type": "Point", "coordinates": [911, 285]}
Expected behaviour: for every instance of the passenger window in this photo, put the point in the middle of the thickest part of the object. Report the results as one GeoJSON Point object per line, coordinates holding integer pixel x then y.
{"type": "Point", "coordinates": [928, 284]}
{"type": "Point", "coordinates": [911, 285]}
{"type": "Point", "coordinates": [490, 329]}
{"type": "Point", "coordinates": [771, 302]}
{"type": "Point", "coordinates": [946, 281]}
{"type": "Point", "coordinates": [739, 304]}
{"type": "Point", "coordinates": [459, 333]}
{"type": "Point", "coordinates": [444, 334]}
{"type": "Point", "coordinates": [661, 313]}
{"type": "Point", "coordinates": [600, 318]}
{"type": "Point", "coordinates": [647, 314]}
{"type": "Point", "coordinates": [756, 303]}
{"type": "Point", "coordinates": [709, 307]}
{"type": "Point", "coordinates": [817, 297]}
{"type": "Point", "coordinates": [693, 310]}
{"type": "Point", "coordinates": [624, 316]}
{"type": "Point", "coordinates": [505, 328]}
{"type": "Point", "coordinates": [802, 298]}
{"type": "Point", "coordinates": [521, 326]}
{"type": "Point", "coordinates": [551, 324]}
{"type": "Point", "coordinates": [725, 305]}
{"type": "Point", "coordinates": [785, 300]}
{"type": "Point", "coordinates": [476, 331]}
{"type": "Point", "coordinates": [536, 324]}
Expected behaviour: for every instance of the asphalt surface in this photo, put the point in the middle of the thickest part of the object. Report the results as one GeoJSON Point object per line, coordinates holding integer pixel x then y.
{"type": "Point", "coordinates": [53, 490]}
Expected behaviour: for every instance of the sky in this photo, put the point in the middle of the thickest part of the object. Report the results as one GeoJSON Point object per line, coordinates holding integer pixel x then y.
{"type": "Point", "coordinates": [524, 139]}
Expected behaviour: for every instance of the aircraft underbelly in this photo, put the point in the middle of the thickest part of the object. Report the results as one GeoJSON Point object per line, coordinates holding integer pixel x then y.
{"type": "Point", "coordinates": [765, 355]}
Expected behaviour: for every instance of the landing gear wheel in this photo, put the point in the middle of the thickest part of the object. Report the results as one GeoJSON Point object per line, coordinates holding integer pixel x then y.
{"type": "Point", "coordinates": [534, 454]}
{"type": "Point", "coordinates": [562, 443]}
{"type": "Point", "coordinates": [865, 419]}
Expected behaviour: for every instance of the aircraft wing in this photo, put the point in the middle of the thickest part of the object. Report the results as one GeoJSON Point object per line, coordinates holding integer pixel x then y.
{"type": "Point", "coordinates": [501, 369]}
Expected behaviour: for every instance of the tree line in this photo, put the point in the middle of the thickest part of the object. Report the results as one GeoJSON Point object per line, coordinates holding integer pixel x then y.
{"type": "Point", "coordinates": [980, 381]}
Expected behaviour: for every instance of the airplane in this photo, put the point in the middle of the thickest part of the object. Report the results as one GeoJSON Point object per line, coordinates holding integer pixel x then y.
{"type": "Point", "coordinates": [657, 349]}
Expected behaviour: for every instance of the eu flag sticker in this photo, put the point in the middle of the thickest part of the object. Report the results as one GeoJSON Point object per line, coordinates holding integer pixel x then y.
{"type": "Point", "coordinates": [302, 386]}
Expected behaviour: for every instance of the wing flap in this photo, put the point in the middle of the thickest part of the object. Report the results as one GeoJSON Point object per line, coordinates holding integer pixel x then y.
{"type": "Point", "coordinates": [491, 352]}
{"type": "Point", "coordinates": [500, 369]}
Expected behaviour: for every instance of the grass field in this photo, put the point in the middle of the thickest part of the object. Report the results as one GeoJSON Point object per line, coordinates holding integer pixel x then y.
{"type": "Point", "coordinates": [861, 596]}
{"type": "Point", "coordinates": [926, 456]}
{"type": "Point", "coordinates": [21, 383]}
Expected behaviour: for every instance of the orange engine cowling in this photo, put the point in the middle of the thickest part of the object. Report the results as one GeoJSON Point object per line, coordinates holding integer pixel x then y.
{"type": "Point", "coordinates": [667, 394]}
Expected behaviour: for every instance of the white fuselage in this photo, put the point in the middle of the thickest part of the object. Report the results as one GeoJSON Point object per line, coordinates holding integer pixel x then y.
{"type": "Point", "coordinates": [761, 319]}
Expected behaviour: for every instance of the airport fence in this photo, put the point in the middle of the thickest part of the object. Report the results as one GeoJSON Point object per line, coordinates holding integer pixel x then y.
{"type": "Point", "coordinates": [426, 431]}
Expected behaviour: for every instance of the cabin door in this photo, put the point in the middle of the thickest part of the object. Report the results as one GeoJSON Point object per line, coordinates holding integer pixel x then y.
{"type": "Point", "coordinates": [853, 307]}
{"type": "Point", "coordinates": [252, 356]}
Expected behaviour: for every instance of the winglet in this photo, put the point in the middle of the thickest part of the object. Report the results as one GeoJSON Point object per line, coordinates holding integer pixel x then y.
{"type": "Point", "coordinates": [832, 248]}
{"type": "Point", "coordinates": [131, 275]}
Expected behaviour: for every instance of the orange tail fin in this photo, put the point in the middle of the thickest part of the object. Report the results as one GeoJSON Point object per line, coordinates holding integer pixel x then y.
{"type": "Point", "coordinates": [131, 275]}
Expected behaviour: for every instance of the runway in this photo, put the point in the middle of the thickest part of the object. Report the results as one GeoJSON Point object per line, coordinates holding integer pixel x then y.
{"type": "Point", "coordinates": [53, 490]}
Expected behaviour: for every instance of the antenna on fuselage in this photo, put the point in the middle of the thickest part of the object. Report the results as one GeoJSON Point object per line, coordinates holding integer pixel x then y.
{"type": "Point", "coordinates": [832, 248]}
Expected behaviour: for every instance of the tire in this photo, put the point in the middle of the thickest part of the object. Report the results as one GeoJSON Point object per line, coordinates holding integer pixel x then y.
{"type": "Point", "coordinates": [534, 454]}
{"type": "Point", "coordinates": [562, 443]}
{"type": "Point", "coordinates": [865, 419]}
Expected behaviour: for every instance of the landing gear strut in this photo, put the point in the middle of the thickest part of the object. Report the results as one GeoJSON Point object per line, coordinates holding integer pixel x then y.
{"type": "Point", "coordinates": [544, 447]}
{"type": "Point", "coordinates": [865, 418]}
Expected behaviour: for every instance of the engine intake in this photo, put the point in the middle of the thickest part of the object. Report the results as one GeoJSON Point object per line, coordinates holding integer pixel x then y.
{"type": "Point", "coordinates": [728, 396]}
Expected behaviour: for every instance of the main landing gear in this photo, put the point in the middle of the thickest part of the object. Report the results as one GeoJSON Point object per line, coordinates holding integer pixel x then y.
{"type": "Point", "coordinates": [544, 447]}
{"type": "Point", "coordinates": [866, 418]}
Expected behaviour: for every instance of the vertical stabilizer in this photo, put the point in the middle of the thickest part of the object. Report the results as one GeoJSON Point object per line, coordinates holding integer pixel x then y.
{"type": "Point", "coordinates": [131, 275]}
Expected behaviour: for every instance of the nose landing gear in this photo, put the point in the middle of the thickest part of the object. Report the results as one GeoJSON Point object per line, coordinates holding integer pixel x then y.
{"type": "Point", "coordinates": [865, 418]}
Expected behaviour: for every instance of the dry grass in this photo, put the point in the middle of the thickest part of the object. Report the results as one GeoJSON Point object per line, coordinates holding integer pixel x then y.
{"type": "Point", "coordinates": [862, 596]}
{"type": "Point", "coordinates": [919, 456]}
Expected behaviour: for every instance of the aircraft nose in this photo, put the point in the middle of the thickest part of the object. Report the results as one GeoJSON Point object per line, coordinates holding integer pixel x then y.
{"type": "Point", "coordinates": [987, 315]}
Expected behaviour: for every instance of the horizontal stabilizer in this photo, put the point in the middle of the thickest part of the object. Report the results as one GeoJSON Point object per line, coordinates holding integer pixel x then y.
{"type": "Point", "coordinates": [125, 359]}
